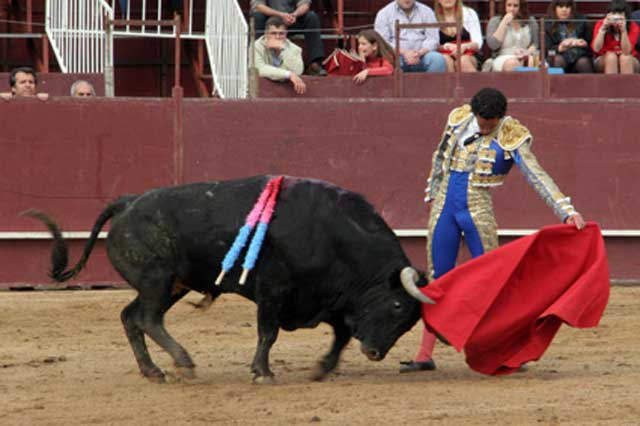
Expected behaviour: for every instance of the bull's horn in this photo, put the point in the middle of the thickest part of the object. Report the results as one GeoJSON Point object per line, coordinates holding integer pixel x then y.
{"type": "Point", "coordinates": [409, 277]}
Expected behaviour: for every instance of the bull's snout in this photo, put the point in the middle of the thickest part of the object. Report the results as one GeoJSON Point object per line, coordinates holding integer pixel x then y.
{"type": "Point", "coordinates": [372, 354]}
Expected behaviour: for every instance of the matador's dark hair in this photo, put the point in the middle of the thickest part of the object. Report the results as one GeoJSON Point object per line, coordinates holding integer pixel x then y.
{"type": "Point", "coordinates": [489, 103]}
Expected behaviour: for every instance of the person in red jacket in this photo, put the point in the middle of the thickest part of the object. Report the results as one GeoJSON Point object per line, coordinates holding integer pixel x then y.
{"type": "Point", "coordinates": [377, 54]}
{"type": "Point", "coordinates": [614, 41]}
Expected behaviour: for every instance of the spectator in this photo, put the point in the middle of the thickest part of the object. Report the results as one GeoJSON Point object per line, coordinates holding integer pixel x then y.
{"type": "Point", "coordinates": [297, 16]}
{"type": "Point", "coordinates": [24, 83]}
{"type": "Point", "coordinates": [377, 54]}
{"type": "Point", "coordinates": [471, 38]}
{"type": "Point", "coordinates": [277, 58]}
{"type": "Point", "coordinates": [614, 41]}
{"type": "Point", "coordinates": [418, 47]}
{"type": "Point", "coordinates": [568, 41]}
{"type": "Point", "coordinates": [513, 37]}
{"type": "Point", "coordinates": [82, 88]}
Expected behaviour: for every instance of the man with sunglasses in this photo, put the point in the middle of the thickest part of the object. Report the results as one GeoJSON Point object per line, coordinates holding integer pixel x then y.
{"type": "Point", "coordinates": [297, 16]}
{"type": "Point", "coordinates": [277, 58]}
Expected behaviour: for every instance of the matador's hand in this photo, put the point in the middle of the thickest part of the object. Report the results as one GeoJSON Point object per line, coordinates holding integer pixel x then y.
{"type": "Point", "coordinates": [577, 220]}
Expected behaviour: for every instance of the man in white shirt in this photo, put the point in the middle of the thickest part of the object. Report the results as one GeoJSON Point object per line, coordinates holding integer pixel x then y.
{"type": "Point", "coordinates": [418, 47]}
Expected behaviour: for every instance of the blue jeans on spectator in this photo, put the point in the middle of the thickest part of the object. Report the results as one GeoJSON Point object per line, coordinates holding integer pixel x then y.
{"type": "Point", "coordinates": [431, 62]}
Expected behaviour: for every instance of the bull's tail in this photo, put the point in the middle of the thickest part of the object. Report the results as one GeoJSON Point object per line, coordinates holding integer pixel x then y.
{"type": "Point", "coordinates": [60, 251]}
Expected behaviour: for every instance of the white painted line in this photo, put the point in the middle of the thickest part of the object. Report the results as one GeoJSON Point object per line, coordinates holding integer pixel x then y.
{"type": "Point", "coordinates": [521, 232]}
{"type": "Point", "coordinates": [47, 236]}
{"type": "Point", "coordinates": [81, 235]}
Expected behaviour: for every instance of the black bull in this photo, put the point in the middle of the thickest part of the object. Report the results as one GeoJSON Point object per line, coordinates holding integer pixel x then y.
{"type": "Point", "coordinates": [327, 257]}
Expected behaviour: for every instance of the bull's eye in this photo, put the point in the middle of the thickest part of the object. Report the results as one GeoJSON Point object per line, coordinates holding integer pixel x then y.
{"type": "Point", "coordinates": [397, 306]}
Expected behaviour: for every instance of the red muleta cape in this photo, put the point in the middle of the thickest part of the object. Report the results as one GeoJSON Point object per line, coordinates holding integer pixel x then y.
{"type": "Point", "coordinates": [504, 307]}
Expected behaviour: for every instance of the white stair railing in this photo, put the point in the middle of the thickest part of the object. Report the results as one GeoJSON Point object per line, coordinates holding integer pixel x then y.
{"type": "Point", "coordinates": [75, 29]}
{"type": "Point", "coordinates": [226, 35]}
{"type": "Point", "coordinates": [142, 10]}
{"type": "Point", "coordinates": [82, 44]}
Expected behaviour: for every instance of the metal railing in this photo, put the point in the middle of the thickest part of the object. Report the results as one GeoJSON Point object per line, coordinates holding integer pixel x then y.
{"type": "Point", "coordinates": [83, 44]}
{"type": "Point", "coordinates": [541, 54]}
{"type": "Point", "coordinates": [226, 33]}
{"type": "Point", "coordinates": [397, 74]}
{"type": "Point", "coordinates": [76, 33]}
{"type": "Point", "coordinates": [143, 10]}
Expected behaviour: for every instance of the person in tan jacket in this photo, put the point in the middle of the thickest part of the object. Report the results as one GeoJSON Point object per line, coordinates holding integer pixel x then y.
{"type": "Point", "coordinates": [299, 19]}
{"type": "Point", "coordinates": [277, 58]}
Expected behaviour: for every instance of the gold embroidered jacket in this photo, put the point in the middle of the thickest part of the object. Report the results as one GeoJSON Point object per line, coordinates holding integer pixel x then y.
{"type": "Point", "coordinates": [489, 159]}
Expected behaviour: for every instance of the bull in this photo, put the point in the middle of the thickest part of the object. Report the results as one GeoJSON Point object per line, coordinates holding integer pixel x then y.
{"type": "Point", "coordinates": [327, 257]}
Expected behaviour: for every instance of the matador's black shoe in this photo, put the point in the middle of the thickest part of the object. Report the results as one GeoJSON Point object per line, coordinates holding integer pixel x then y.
{"type": "Point", "coordinates": [411, 366]}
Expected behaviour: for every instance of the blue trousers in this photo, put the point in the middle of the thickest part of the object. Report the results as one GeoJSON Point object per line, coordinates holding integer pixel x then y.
{"type": "Point", "coordinates": [454, 220]}
{"type": "Point", "coordinates": [457, 210]}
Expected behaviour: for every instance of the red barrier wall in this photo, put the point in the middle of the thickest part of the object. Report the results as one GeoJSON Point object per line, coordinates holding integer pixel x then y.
{"type": "Point", "coordinates": [444, 86]}
{"type": "Point", "coordinates": [69, 157]}
{"type": "Point", "coordinates": [382, 148]}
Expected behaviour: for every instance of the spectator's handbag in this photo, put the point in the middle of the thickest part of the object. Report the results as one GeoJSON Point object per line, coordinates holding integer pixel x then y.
{"type": "Point", "coordinates": [341, 62]}
{"type": "Point", "coordinates": [572, 54]}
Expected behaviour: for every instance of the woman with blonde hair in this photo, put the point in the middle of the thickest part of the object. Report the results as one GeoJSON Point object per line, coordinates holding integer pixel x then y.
{"type": "Point", "coordinates": [449, 11]}
{"type": "Point", "coordinates": [377, 55]}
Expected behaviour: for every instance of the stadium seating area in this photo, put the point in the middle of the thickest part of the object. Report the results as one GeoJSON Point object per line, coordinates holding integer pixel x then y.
{"type": "Point", "coordinates": [23, 40]}
{"type": "Point", "coordinates": [361, 13]}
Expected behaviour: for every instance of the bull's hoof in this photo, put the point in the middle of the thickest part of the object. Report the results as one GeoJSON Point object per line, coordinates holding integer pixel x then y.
{"type": "Point", "coordinates": [264, 380]}
{"type": "Point", "coordinates": [181, 375]}
{"type": "Point", "coordinates": [156, 378]}
{"type": "Point", "coordinates": [186, 373]}
{"type": "Point", "coordinates": [319, 372]}
{"type": "Point", "coordinates": [204, 303]}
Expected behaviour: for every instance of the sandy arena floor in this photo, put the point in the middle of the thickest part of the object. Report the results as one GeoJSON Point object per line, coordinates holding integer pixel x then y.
{"type": "Point", "coordinates": [64, 360]}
